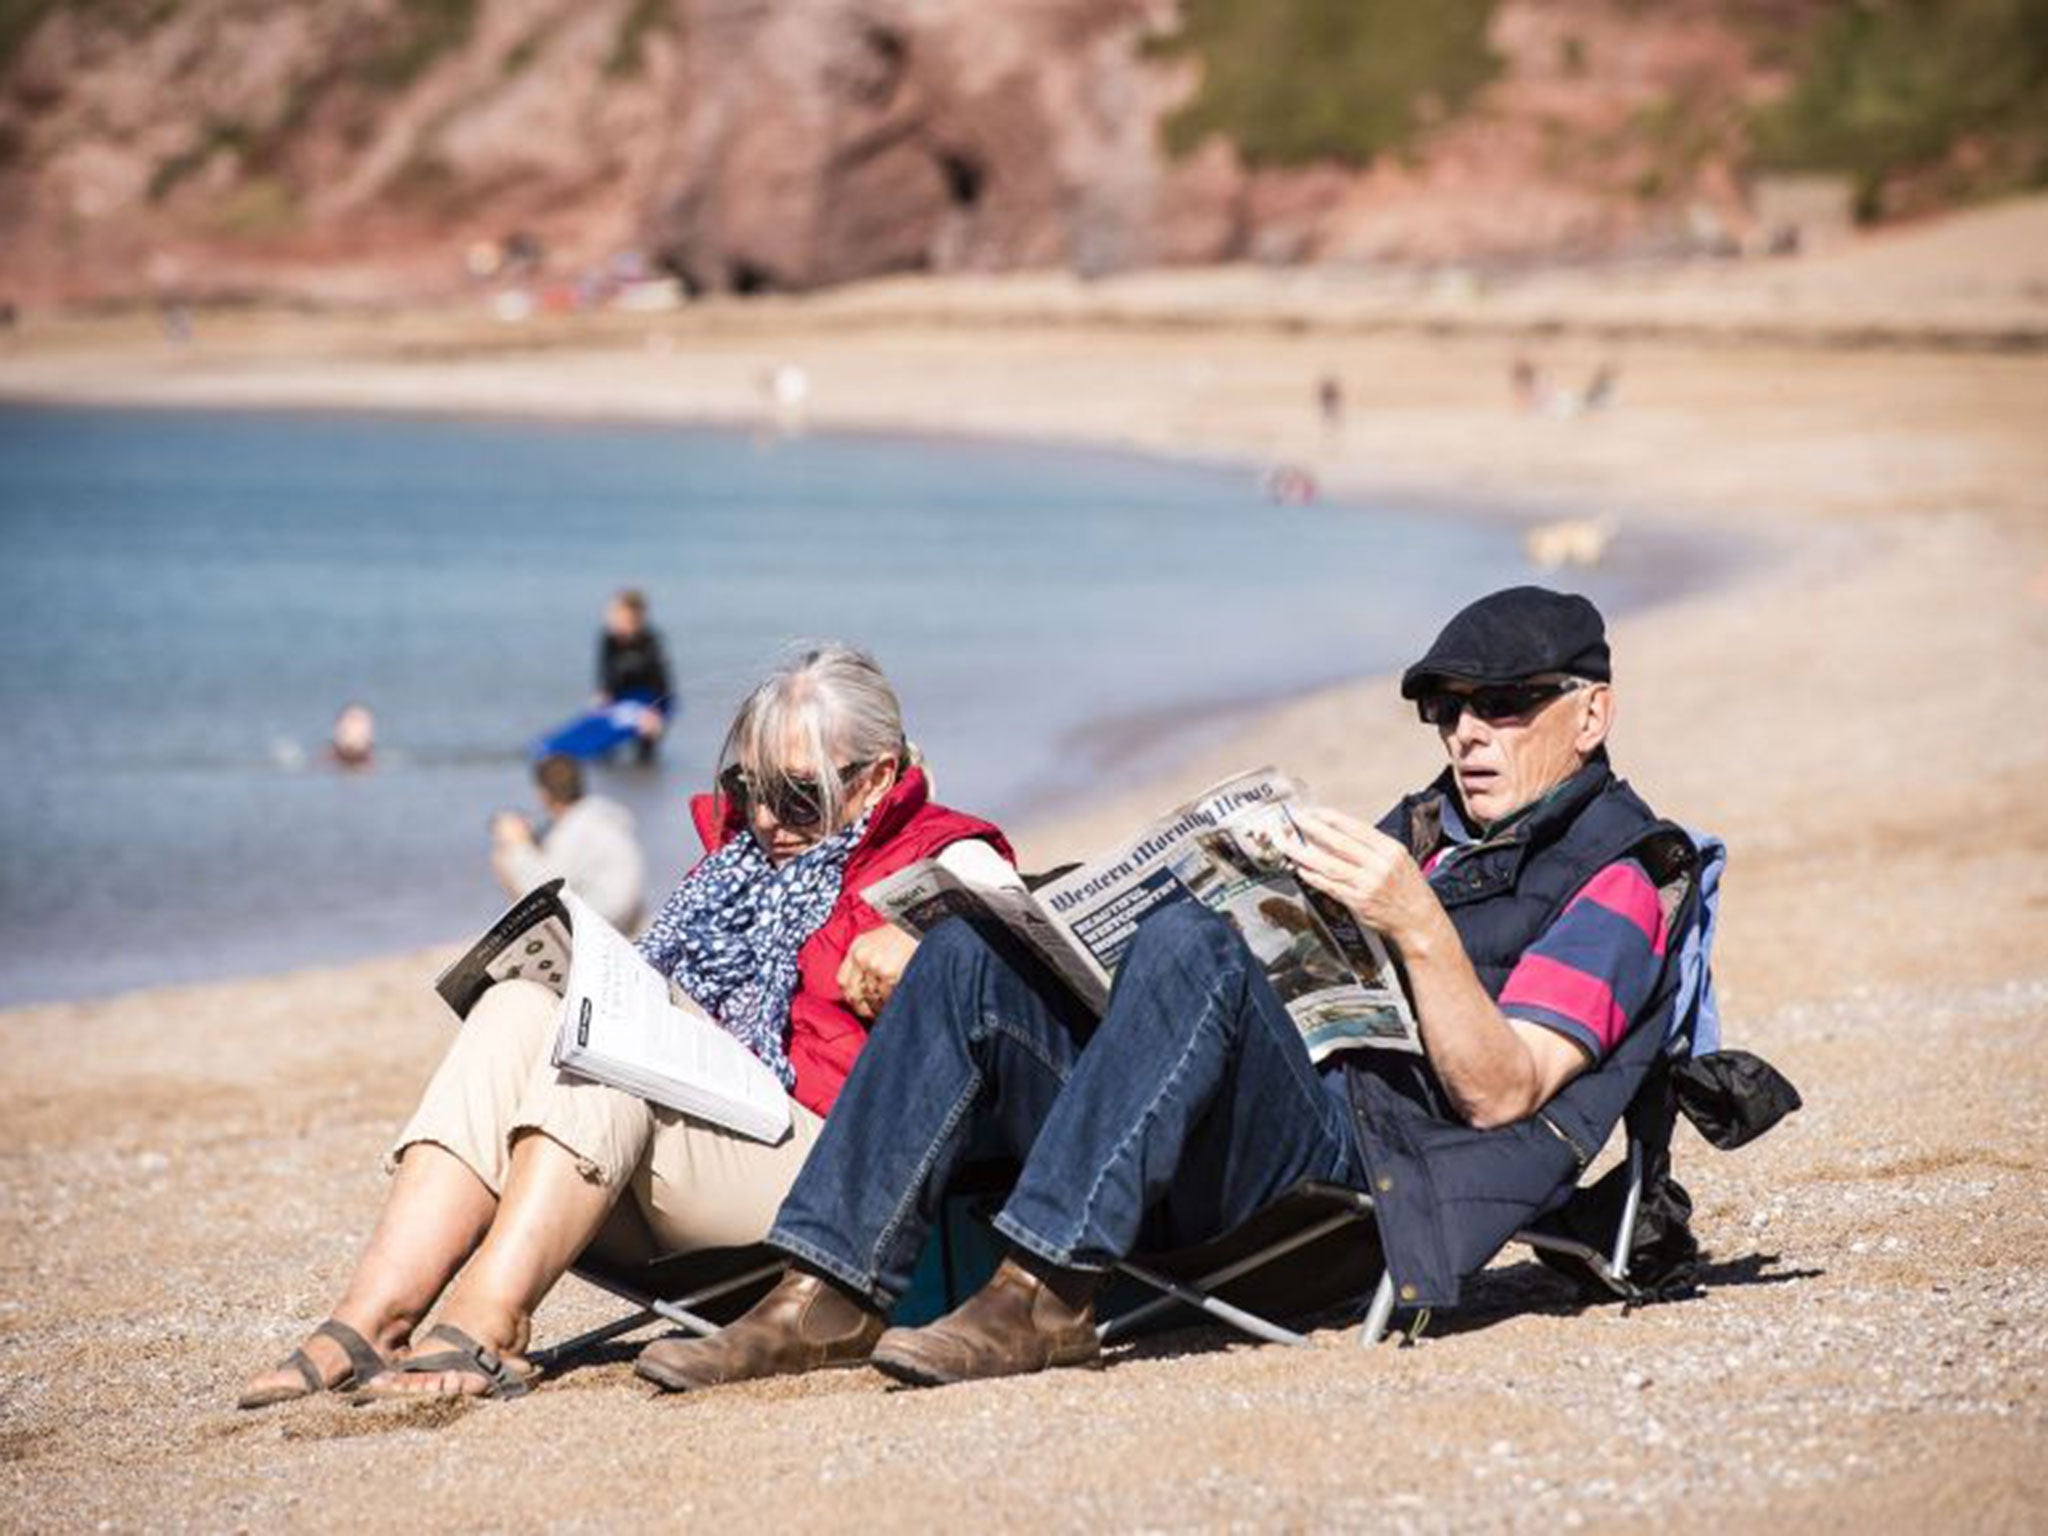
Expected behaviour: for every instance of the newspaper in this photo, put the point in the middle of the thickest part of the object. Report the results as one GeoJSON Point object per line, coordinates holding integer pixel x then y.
{"type": "Point", "coordinates": [1225, 848]}
{"type": "Point", "coordinates": [623, 1023]}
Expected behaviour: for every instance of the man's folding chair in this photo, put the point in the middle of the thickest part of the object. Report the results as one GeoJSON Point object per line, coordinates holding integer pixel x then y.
{"type": "Point", "coordinates": [1322, 1212]}
{"type": "Point", "coordinates": [1325, 1232]}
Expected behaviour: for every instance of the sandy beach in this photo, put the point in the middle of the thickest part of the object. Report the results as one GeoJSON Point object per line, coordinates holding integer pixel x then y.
{"type": "Point", "coordinates": [1860, 713]}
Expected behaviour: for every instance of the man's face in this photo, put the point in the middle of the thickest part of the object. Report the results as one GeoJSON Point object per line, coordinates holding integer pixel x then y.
{"type": "Point", "coordinates": [1516, 759]}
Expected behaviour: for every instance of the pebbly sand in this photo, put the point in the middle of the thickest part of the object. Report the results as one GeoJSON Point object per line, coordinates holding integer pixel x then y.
{"type": "Point", "coordinates": [1861, 715]}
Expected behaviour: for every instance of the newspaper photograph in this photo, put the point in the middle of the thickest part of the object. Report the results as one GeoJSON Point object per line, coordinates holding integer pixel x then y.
{"type": "Point", "coordinates": [1332, 974]}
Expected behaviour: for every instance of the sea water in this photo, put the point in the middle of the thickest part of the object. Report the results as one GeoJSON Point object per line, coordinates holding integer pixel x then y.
{"type": "Point", "coordinates": [189, 597]}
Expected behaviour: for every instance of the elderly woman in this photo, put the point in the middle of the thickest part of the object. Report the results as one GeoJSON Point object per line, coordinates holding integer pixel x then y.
{"type": "Point", "coordinates": [509, 1168]}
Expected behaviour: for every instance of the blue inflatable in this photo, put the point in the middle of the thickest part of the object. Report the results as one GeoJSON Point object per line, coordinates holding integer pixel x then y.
{"type": "Point", "coordinates": [598, 733]}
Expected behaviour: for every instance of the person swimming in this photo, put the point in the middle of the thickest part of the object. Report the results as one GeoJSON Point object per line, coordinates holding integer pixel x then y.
{"type": "Point", "coordinates": [353, 742]}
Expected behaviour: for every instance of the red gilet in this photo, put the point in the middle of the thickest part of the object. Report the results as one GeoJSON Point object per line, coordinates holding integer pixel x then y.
{"type": "Point", "coordinates": [907, 825]}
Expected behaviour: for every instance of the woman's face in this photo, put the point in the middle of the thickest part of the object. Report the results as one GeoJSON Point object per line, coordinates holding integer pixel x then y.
{"type": "Point", "coordinates": [863, 785]}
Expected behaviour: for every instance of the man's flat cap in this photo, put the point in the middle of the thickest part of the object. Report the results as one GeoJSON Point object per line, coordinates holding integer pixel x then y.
{"type": "Point", "coordinates": [1516, 633]}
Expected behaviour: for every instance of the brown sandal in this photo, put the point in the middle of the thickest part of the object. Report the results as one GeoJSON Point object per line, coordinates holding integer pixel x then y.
{"type": "Point", "coordinates": [364, 1364]}
{"type": "Point", "coordinates": [464, 1356]}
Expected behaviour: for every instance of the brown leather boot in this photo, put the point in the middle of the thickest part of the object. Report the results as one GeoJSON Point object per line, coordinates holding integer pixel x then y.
{"type": "Point", "coordinates": [804, 1324]}
{"type": "Point", "coordinates": [1025, 1319]}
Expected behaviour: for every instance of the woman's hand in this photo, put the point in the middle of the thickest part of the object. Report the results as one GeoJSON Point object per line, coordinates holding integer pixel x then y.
{"type": "Point", "coordinates": [874, 964]}
{"type": "Point", "coordinates": [1371, 874]}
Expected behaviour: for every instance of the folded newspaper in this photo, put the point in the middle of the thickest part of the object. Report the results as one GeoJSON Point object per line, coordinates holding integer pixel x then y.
{"type": "Point", "coordinates": [1225, 848]}
{"type": "Point", "coordinates": [623, 1022]}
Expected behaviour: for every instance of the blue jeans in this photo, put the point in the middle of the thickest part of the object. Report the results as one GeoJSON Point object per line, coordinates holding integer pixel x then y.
{"type": "Point", "coordinates": [1189, 1106]}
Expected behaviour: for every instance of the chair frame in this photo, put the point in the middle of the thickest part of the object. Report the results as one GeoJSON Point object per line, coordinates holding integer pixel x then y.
{"type": "Point", "coordinates": [650, 1308]}
{"type": "Point", "coordinates": [1610, 1267]}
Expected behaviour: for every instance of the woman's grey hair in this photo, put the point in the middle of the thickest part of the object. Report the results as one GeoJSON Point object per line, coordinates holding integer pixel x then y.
{"type": "Point", "coordinates": [831, 698]}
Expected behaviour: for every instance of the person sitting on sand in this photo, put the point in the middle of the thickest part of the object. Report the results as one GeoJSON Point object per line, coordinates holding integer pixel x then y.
{"type": "Point", "coordinates": [586, 841]}
{"type": "Point", "coordinates": [509, 1168]}
{"type": "Point", "coordinates": [1532, 938]}
{"type": "Point", "coordinates": [634, 696]}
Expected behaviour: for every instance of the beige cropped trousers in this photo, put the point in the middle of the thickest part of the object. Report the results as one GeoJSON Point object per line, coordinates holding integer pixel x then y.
{"type": "Point", "coordinates": [694, 1184]}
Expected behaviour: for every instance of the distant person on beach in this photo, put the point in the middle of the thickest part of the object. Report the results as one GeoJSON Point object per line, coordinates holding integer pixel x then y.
{"type": "Point", "coordinates": [1600, 387]}
{"type": "Point", "coordinates": [785, 396]}
{"type": "Point", "coordinates": [634, 697]}
{"type": "Point", "coordinates": [1330, 406]}
{"type": "Point", "coordinates": [509, 1168]}
{"type": "Point", "coordinates": [584, 839]}
{"type": "Point", "coordinates": [175, 316]}
{"type": "Point", "coordinates": [1525, 383]}
{"type": "Point", "coordinates": [1516, 888]}
{"type": "Point", "coordinates": [353, 742]}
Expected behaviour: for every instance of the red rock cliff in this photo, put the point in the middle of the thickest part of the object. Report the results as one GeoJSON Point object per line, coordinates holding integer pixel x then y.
{"type": "Point", "coordinates": [356, 146]}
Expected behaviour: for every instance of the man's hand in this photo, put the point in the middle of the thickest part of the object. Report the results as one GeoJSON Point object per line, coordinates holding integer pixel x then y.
{"type": "Point", "coordinates": [1495, 1069]}
{"type": "Point", "coordinates": [873, 965]}
{"type": "Point", "coordinates": [1371, 874]}
{"type": "Point", "coordinates": [511, 830]}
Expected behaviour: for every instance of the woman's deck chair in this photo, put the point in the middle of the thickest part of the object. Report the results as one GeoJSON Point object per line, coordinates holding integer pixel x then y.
{"type": "Point", "coordinates": [703, 1291]}
{"type": "Point", "coordinates": [1626, 1236]}
{"type": "Point", "coordinates": [699, 1291]}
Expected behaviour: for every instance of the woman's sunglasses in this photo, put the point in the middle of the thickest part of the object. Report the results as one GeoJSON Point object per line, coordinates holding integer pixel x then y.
{"type": "Point", "coordinates": [793, 799]}
{"type": "Point", "coordinates": [1493, 703]}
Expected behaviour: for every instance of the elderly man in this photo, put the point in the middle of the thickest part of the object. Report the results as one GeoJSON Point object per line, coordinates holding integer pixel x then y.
{"type": "Point", "coordinates": [1533, 936]}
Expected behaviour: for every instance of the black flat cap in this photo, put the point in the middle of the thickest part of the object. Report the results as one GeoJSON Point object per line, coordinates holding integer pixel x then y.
{"type": "Point", "coordinates": [1513, 634]}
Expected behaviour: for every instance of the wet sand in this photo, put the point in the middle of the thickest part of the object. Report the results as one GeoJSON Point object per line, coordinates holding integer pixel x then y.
{"type": "Point", "coordinates": [1860, 715]}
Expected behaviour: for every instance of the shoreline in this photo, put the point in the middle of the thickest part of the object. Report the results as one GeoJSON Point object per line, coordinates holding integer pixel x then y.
{"type": "Point", "coordinates": [1123, 748]}
{"type": "Point", "coordinates": [1853, 713]}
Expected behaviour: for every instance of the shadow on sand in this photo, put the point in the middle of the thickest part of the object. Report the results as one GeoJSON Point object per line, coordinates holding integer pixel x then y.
{"type": "Point", "coordinates": [1491, 1297]}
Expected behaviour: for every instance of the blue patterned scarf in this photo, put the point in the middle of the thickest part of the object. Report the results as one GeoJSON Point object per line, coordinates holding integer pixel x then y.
{"type": "Point", "coordinates": [730, 933]}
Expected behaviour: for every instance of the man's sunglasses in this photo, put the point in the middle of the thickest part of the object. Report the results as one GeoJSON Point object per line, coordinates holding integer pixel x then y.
{"type": "Point", "coordinates": [1493, 703]}
{"type": "Point", "coordinates": [793, 799]}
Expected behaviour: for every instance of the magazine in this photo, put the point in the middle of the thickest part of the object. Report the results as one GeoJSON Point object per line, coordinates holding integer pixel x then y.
{"type": "Point", "coordinates": [1225, 848]}
{"type": "Point", "coordinates": [623, 1023]}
